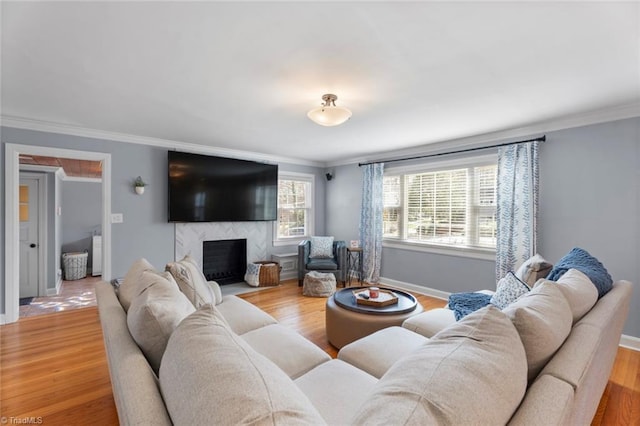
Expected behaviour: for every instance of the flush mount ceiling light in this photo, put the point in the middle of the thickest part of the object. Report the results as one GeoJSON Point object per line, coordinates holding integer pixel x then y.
{"type": "Point", "coordinates": [329, 114]}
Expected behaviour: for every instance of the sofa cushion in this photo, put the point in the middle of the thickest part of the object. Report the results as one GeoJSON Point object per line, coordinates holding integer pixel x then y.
{"type": "Point", "coordinates": [579, 291]}
{"type": "Point", "coordinates": [322, 265]}
{"type": "Point", "coordinates": [580, 259]}
{"type": "Point", "coordinates": [202, 354]}
{"type": "Point", "coordinates": [336, 389]}
{"type": "Point", "coordinates": [377, 352]}
{"type": "Point", "coordinates": [287, 349]}
{"type": "Point", "coordinates": [321, 247]}
{"type": "Point", "coordinates": [549, 401]}
{"type": "Point", "coordinates": [131, 286]}
{"type": "Point", "coordinates": [242, 316]}
{"type": "Point", "coordinates": [508, 290]}
{"type": "Point", "coordinates": [193, 284]}
{"type": "Point", "coordinates": [155, 313]}
{"type": "Point", "coordinates": [543, 320]}
{"type": "Point", "coordinates": [533, 269]}
{"type": "Point", "coordinates": [431, 322]}
{"type": "Point", "coordinates": [457, 377]}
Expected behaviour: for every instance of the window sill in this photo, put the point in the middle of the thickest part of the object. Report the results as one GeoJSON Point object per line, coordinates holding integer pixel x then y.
{"type": "Point", "coordinates": [289, 242]}
{"type": "Point", "coordinates": [469, 252]}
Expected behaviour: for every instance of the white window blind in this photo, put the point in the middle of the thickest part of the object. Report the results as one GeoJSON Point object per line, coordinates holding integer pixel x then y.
{"type": "Point", "coordinates": [452, 207]}
{"type": "Point", "coordinates": [295, 206]}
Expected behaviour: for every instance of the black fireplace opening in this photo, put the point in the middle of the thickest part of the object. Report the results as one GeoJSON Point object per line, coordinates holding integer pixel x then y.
{"type": "Point", "coordinates": [224, 261]}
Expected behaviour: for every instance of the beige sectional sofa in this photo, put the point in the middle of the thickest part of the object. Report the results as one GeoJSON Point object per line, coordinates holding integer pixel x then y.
{"type": "Point", "coordinates": [227, 362]}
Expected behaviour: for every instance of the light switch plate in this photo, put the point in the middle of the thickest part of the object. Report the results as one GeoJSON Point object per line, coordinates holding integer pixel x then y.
{"type": "Point", "coordinates": [117, 218]}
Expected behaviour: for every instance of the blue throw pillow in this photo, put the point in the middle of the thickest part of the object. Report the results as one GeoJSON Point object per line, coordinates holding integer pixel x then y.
{"type": "Point", "coordinates": [581, 260]}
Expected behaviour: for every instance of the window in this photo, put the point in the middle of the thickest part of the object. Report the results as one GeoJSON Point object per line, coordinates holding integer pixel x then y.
{"type": "Point", "coordinates": [451, 205]}
{"type": "Point", "coordinates": [295, 207]}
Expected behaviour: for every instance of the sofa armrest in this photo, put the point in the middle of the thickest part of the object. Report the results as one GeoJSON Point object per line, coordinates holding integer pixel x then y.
{"type": "Point", "coordinates": [135, 386]}
{"type": "Point", "coordinates": [303, 257]}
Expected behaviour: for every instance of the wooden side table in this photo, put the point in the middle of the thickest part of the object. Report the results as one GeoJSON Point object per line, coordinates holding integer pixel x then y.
{"type": "Point", "coordinates": [354, 263]}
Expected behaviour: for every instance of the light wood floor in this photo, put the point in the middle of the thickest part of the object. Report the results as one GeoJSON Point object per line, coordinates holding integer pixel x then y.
{"type": "Point", "coordinates": [54, 366]}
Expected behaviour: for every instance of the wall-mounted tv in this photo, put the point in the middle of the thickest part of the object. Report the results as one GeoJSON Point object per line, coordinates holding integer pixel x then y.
{"type": "Point", "coordinates": [204, 188]}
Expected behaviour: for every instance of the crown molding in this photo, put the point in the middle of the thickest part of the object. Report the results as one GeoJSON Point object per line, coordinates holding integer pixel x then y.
{"type": "Point", "coordinates": [619, 112]}
{"type": "Point", "coordinates": [66, 129]}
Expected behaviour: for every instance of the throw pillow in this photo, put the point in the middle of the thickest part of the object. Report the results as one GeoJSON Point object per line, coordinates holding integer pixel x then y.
{"type": "Point", "coordinates": [131, 286]}
{"type": "Point", "coordinates": [581, 260]}
{"type": "Point", "coordinates": [533, 269]}
{"type": "Point", "coordinates": [193, 283]}
{"type": "Point", "coordinates": [455, 378]}
{"type": "Point", "coordinates": [509, 289]}
{"type": "Point", "coordinates": [543, 320]}
{"type": "Point", "coordinates": [252, 276]}
{"type": "Point", "coordinates": [579, 291]}
{"type": "Point", "coordinates": [209, 375]}
{"type": "Point", "coordinates": [155, 313]}
{"type": "Point", "coordinates": [321, 247]}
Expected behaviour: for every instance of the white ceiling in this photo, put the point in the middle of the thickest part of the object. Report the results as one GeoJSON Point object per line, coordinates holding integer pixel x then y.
{"type": "Point", "coordinates": [243, 75]}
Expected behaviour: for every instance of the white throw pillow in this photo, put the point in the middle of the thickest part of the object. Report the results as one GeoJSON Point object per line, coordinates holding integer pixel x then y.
{"type": "Point", "coordinates": [155, 313]}
{"type": "Point", "coordinates": [321, 247]}
{"type": "Point", "coordinates": [543, 320]}
{"type": "Point", "coordinates": [210, 376]}
{"type": "Point", "coordinates": [533, 269]}
{"type": "Point", "coordinates": [193, 283]}
{"type": "Point", "coordinates": [509, 289]}
{"type": "Point", "coordinates": [131, 286]}
{"type": "Point", "coordinates": [456, 378]}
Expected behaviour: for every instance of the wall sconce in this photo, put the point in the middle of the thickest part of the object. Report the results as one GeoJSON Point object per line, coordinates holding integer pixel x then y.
{"type": "Point", "coordinates": [139, 185]}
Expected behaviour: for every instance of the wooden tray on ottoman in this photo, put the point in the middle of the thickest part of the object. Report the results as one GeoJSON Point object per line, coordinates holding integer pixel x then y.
{"type": "Point", "coordinates": [385, 298]}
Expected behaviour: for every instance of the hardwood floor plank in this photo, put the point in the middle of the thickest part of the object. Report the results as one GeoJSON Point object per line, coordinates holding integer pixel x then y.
{"type": "Point", "coordinates": [54, 366]}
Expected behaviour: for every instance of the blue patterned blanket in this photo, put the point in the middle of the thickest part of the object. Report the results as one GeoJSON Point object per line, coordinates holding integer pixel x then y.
{"type": "Point", "coordinates": [463, 304]}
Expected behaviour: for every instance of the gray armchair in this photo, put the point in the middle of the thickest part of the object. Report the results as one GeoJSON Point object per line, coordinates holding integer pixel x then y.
{"type": "Point", "coordinates": [337, 265]}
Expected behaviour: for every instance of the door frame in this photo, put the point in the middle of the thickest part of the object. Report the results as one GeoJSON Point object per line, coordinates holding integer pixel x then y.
{"type": "Point", "coordinates": [43, 242]}
{"type": "Point", "coordinates": [12, 260]}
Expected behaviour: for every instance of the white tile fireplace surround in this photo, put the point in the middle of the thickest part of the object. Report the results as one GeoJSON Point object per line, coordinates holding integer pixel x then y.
{"type": "Point", "coordinates": [189, 238]}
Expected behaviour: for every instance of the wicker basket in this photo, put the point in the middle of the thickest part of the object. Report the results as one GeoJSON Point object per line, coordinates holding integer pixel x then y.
{"type": "Point", "coordinates": [75, 265]}
{"type": "Point", "coordinates": [269, 273]}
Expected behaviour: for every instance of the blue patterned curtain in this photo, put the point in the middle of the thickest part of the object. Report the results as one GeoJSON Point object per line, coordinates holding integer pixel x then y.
{"type": "Point", "coordinates": [517, 209]}
{"type": "Point", "coordinates": [371, 221]}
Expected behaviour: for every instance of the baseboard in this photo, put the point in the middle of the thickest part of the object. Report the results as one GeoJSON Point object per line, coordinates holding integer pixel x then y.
{"type": "Point", "coordinates": [2, 320]}
{"type": "Point", "coordinates": [288, 275]}
{"type": "Point", "coordinates": [439, 294]}
{"type": "Point", "coordinates": [630, 342]}
{"type": "Point", "coordinates": [55, 291]}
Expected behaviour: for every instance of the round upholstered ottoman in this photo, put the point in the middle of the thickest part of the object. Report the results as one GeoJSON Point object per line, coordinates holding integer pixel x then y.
{"type": "Point", "coordinates": [319, 284]}
{"type": "Point", "coordinates": [344, 326]}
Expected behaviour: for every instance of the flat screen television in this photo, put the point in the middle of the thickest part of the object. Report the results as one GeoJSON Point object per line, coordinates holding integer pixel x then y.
{"type": "Point", "coordinates": [204, 188]}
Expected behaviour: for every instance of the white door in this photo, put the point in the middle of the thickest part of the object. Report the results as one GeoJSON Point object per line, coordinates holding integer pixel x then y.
{"type": "Point", "coordinates": [29, 244]}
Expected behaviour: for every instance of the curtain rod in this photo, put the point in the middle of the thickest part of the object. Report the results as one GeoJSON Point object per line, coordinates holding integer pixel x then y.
{"type": "Point", "coordinates": [542, 138]}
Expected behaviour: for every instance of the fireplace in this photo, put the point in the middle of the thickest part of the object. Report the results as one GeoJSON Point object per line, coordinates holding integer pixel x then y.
{"type": "Point", "coordinates": [224, 261]}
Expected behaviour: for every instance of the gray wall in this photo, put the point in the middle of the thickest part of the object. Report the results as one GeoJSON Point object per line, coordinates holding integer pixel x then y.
{"type": "Point", "coordinates": [81, 216]}
{"type": "Point", "coordinates": [2, 277]}
{"type": "Point", "coordinates": [589, 197]}
{"type": "Point", "coordinates": [145, 231]}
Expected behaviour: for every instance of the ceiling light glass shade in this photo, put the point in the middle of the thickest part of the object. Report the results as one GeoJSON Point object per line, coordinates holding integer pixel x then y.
{"type": "Point", "coordinates": [329, 114]}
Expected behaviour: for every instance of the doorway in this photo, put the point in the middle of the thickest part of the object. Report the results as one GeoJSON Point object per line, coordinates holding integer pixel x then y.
{"type": "Point", "coordinates": [12, 217]}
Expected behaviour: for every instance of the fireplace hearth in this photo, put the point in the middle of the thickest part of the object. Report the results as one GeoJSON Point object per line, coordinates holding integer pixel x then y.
{"type": "Point", "coordinates": [224, 261]}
